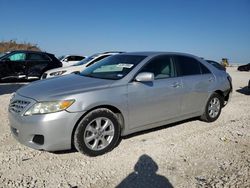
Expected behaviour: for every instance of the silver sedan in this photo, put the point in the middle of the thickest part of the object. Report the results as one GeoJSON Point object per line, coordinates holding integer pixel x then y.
{"type": "Point", "coordinates": [117, 96]}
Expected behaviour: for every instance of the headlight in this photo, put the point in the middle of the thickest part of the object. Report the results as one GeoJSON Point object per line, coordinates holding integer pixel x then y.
{"type": "Point", "coordinates": [49, 107]}
{"type": "Point", "coordinates": [58, 73]}
{"type": "Point", "coordinates": [12, 96]}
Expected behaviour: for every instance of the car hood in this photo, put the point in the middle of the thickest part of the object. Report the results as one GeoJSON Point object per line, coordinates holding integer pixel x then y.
{"type": "Point", "coordinates": [69, 68]}
{"type": "Point", "coordinates": [61, 87]}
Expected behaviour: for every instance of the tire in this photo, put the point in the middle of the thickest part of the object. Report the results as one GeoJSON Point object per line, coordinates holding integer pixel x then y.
{"type": "Point", "coordinates": [213, 108]}
{"type": "Point", "coordinates": [97, 133]}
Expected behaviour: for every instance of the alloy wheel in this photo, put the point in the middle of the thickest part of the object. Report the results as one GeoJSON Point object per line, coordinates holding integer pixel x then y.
{"type": "Point", "coordinates": [214, 107]}
{"type": "Point", "coordinates": [99, 133]}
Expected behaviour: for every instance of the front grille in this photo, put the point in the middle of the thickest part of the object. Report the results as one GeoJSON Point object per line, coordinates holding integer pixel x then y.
{"type": "Point", "coordinates": [17, 106]}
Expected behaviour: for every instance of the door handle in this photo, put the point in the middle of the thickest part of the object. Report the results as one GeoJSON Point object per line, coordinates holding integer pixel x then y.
{"type": "Point", "coordinates": [175, 85]}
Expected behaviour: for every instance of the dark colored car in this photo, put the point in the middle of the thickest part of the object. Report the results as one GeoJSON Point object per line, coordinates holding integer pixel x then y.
{"type": "Point", "coordinates": [217, 65]}
{"type": "Point", "coordinates": [244, 67]}
{"type": "Point", "coordinates": [26, 64]}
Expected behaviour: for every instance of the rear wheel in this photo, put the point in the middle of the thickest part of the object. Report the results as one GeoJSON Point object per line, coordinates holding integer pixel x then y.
{"type": "Point", "coordinates": [97, 133]}
{"type": "Point", "coordinates": [213, 108]}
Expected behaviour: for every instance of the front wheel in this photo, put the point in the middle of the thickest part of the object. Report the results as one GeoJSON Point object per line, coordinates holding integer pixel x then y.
{"type": "Point", "coordinates": [213, 108]}
{"type": "Point", "coordinates": [97, 133]}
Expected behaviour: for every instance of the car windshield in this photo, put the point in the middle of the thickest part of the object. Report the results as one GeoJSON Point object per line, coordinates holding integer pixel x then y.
{"type": "Point", "coordinates": [113, 67]}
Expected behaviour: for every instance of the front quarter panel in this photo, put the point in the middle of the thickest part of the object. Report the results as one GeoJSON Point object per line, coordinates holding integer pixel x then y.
{"type": "Point", "coordinates": [115, 96]}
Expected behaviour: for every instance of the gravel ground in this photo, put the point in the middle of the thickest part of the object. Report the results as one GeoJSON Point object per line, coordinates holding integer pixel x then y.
{"type": "Point", "coordinates": [186, 154]}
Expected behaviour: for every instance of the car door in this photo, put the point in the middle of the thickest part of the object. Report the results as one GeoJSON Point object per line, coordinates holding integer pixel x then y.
{"type": "Point", "coordinates": [37, 63]}
{"type": "Point", "coordinates": [158, 100]}
{"type": "Point", "coordinates": [197, 81]}
{"type": "Point", "coordinates": [14, 65]}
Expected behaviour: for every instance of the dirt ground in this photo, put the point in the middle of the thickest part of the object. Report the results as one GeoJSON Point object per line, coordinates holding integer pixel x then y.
{"type": "Point", "coordinates": [186, 154]}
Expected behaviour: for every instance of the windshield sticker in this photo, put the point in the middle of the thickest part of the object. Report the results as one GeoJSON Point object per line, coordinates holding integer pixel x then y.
{"type": "Point", "coordinates": [125, 65]}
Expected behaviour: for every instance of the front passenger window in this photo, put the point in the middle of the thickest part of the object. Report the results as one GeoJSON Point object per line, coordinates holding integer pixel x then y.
{"type": "Point", "coordinates": [71, 58]}
{"type": "Point", "coordinates": [161, 66]}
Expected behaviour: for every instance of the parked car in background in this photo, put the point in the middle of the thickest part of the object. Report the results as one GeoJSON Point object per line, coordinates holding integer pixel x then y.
{"type": "Point", "coordinates": [2, 54]}
{"type": "Point", "coordinates": [217, 65]}
{"type": "Point", "coordinates": [116, 96]}
{"type": "Point", "coordinates": [78, 67]}
{"type": "Point", "coordinates": [28, 65]}
{"type": "Point", "coordinates": [244, 67]}
{"type": "Point", "coordinates": [249, 84]}
{"type": "Point", "coordinates": [68, 60]}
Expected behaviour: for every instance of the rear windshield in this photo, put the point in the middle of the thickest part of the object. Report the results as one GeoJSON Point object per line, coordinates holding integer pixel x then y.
{"type": "Point", "coordinates": [217, 65]}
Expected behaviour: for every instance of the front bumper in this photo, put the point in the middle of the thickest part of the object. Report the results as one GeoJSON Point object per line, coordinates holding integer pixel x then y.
{"type": "Point", "coordinates": [50, 132]}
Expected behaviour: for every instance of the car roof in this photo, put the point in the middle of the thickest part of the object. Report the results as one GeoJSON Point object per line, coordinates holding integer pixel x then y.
{"type": "Point", "coordinates": [154, 53]}
{"type": "Point", "coordinates": [73, 55]}
{"type": "Point", "coordinates": [106, 53]}
{"type": "Point", "coordinates": [113, 52]}
{"type": "Point", "coordinates": [29, 51]}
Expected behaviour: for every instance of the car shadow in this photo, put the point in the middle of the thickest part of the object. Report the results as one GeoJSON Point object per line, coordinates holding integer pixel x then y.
{"type": "Point", "coordinates": [73, 150]}
{"type": "Point", "coordinates": [244, 90]}
{"type": "Point", "coordinates": [145, 175]}
{"type": "Point", "coordinates": [159, 128]}
{"type": "Point", "coordinates": [61, 152]}
{"type": "Point", "coordinates": [8, 88]}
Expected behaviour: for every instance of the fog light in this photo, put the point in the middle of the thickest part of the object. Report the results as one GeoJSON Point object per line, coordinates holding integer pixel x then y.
{"type": "Point", "coordinates": [38, 139]}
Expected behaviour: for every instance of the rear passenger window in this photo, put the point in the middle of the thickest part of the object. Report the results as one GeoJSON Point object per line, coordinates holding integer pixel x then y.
{"type": "Point", "coordinates": [161, 66]}
{"type": "Point", "coordinates": [79, 58]}
{"type": "Point", "coordinates": [204, 69]}
{"type": "Point", "coordinates": [188, 66]}
{"type": "Point", "coordinates": [37, 57]}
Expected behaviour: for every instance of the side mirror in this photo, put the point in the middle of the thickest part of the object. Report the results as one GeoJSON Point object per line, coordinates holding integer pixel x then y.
{"type": "Point", "coordinates": [66, 60]}
{"type": "Point", "coordinates": [145, 77]}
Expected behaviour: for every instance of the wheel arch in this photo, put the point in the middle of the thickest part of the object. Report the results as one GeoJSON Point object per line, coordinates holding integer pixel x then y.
{"type": "Point", "coordinates": [224, 97]}
{"type": "Point", "coordinates": [219, 92]}
{"type": "Point", "coordinates": [109, 107]}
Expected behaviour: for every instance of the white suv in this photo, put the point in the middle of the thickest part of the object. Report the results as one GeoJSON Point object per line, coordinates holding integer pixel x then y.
{"type": "Point", "coordinates": [77, 67]}
{"type": "Point", "coordinates": [69, 60]}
